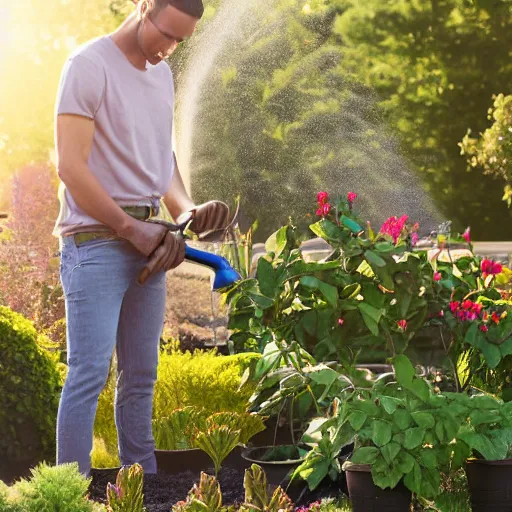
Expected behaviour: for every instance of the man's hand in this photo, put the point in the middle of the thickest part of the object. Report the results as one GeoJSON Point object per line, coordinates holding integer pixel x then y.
{"type": "Point", "coordinates": [208, 217]}
{"type": "Point", "coordinates": [144, 236]}
{"type": "Point", "coordinates": [169, 254]}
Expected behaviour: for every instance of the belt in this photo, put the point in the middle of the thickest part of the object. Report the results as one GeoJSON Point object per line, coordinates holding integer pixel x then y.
{"type": "Point", "coordinates": [137, 212]}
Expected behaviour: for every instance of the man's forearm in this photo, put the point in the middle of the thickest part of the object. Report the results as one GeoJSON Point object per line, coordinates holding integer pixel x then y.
{"type": "Point", "coordinates": [93, 199]}
{"type": "Point", "coordinates": [176, 199]}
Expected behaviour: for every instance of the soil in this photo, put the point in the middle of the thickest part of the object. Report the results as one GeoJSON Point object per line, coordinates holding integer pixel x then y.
{"type": "Point", "coordinates": [161, 491]}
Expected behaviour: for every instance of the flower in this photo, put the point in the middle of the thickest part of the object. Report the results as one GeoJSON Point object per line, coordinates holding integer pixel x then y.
{"type": "Point", "coordinates": [414, 239]}
{"type": "Point", "coordinates": [341, 321]}
{"type": "Point", "coordinates": [467, 235]}
{"type": "Point", "coordinates": [495, 318]}
{"type": "Point", "coordinates": [351, 197]}
{"type": "Point", "coordinates": [454, 306]}
{"type": "Point", "coordinates": [484, 328]}
{"type": "Point", "coordinates": [402, 324]}
{"type": "Point", "coordinates": [322, 197]}
{"type": "Point", "coordinates": [437, 276]}
{"type": "Point", "coordinates": [394, 227]}
{"type": "Point", "coordinates": [489, 267]}
{"type": "Point", "coordinates": [326, 208]}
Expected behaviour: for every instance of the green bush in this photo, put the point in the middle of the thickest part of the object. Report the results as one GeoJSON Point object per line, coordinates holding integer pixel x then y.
{"type": "Point", "coordinates": [51, 489]}
{"type": "Point", "coordinates": [203, 379]}
{"type": "Point", "coordinates": [29, 393]}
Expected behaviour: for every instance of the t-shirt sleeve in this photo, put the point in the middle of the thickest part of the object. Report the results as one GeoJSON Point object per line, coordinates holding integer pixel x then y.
{"type": "Point", "coordinates": [81, 87]}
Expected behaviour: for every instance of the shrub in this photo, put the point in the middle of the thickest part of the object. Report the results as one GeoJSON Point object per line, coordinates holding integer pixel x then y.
{"type": "Point", "coordinates": [30, 385]}
{"type": "Point", "coordinates": [54, 488]}
{"type": "Point", "coordinates": [203, 379]}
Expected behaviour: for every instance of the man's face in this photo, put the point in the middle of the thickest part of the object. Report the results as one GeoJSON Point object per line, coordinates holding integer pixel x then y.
{"type": "Point", "coordinates": [160, 32]}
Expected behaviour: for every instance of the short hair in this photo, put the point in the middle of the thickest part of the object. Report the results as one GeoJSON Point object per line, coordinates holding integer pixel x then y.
{"type": "Point", "coordinates": [193, 7]}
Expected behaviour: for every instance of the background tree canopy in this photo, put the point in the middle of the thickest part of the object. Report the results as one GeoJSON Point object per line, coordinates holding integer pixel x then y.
{"type": "Point", "coordinates": [295, 96]}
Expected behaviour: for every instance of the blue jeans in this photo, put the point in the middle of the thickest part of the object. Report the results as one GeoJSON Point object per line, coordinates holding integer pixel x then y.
{"type": "Point", "coordinates": [107, 309]}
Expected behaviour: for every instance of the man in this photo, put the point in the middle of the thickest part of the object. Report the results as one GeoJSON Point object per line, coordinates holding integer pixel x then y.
{"type": "Point", "coordinates": [114, 115]}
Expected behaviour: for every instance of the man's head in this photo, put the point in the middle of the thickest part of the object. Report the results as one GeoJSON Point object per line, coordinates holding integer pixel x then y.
{"type": "Point", "coordinates": [163, 24]}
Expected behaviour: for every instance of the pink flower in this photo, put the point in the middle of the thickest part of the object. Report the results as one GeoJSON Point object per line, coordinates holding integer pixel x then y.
{"type": "Point", "coordinates": [489, 267]}
{"type": "Point", "coordinates": [467, 235]}
{"type": "Point", "coordinates": [484, 328]}
{"type": "Point", "coordinates": [351, 197]}
{"type": "Point", "coordinates": [402, 324]}
{"type": "Point", "coordinates": [437, 276]}
{"type": "Point", "coordinates": [414, 239]}
{"type": "Point", "coordinates": [341, 321]}
{"type": "Point", "coordinates": [322, 197]}
{"type": "Point", "coordinates": [441, 313]}
{"type": "Point", "coordinates": [454, 306]}
{"type": "Point", "coordinates": [394, 227]}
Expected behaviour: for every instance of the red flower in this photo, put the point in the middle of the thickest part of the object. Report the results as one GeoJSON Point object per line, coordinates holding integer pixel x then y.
{"type": "Point", "coordinates": [323, 210]}
{"type": "Point", "coordinates": [341, 321]}
{"type": "Point", "coordinates": [437, 276]}
{"type": "Point", "coordinates": [489, 267]}
{"type": "Point", "coordinates": [467, 235]}
{"type": "Point", "coordinates": [495, 318]}
{"type": "Point", "coordinates": [351, 197]}
{"type": "Point", "coordinates": [322, 197]}
{"type": "Point", "coordinates": [441, 313]}
{"type": "Point", "coordinates": [454, 306]}
{"type": "Point", "coordinates": [484, 328]}
{"type": "Point", "coordinates": [394, 227]}
{"type": "Point", "coordinates": [402, 324]}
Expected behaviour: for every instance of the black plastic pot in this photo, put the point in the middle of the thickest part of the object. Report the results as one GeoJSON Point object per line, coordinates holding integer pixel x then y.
{"type": "Point", "coordinates": [275, 434]}
{"type": "Point", "coordinates": [367, 497]}
{"type": "Point", "coordinates": [490, 485]}
{"type": "Point", "coordinates": [277, 471]}
{"type": "Point", "coordinates": [172, 462]}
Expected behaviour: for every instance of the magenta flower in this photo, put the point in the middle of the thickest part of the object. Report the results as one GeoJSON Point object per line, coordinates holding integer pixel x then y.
{"type": "Point", "coordinates": [484, 328]}
{"type": "Point", "coordinates": [341, 321]}
{"type": "Point", "coordinates": [437, 276]}
{"type": "Point", "coordinates": [394, 227]}
{"type": "Point", "coordinates": [322, 197]}
{"type": "Point", "coordinates": [414, 239]}
{"type": "Point", "coordinates": [467, 235]}
{"type": "Point", "coordinates": [489, 267]}
{"type": "Point", "coordinates": [351, 197]}
{"type": "Point", "coordinates": [402, 324]}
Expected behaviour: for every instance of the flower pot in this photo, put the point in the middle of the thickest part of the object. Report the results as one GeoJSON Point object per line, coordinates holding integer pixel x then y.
{"type": "Point", "coordinates": [490, 484]}
{"type": "Point", "coordinates": [277, 461]}
{"type": "Point", "coordinates": [367, 497]}
{"type": "Point", "coordinates": [172, 462]}
{"type": "Point", "coordinates": [274, 435]}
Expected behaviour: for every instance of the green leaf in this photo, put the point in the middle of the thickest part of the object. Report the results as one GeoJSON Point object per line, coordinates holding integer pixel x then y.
{"type": "Point", "coordinates": [491, 354]}
{"type": "Point", "coordinates": [405, 462]}
{"type": "Point", "coordinates": [404, 370]}
{"type": "Point", "coordinates": [428, 458]}
{"type": "Point", "coordinates": [414, 437]}
{"type": "Point", "coordinates": [330, 293]}
{"type": "Point", "coordinates": [357, 419]}
{"type": "Point", "coordinates": [471, 335]}
{"type": "Point", "coordinates": [266, 280]}
{"type": "Point", "coordinates": [390, 403]}
{"type": "Point", "coordinates": [390, 451]}
{"type": "Point", "coordinates": [374, 259]}
{"type": "Point", "coordinates": [483, 445]}
{"type": "Point", "coordinates": [371, 317]}
{"type": "Point", "coordinates": [327, 230]}
{"type": "Point", "coordinates": [402, 419]}
{"type": "Point", "coordinates": [365, 455]}
{"type": "Point", "coordinates": [381, 433]}
{"type": "Point", "coordinates": [385, 247]}
{"type": "Point", "coordinates": [423, 419]}
{"type": "Point", "coordinates": [277, 241]}
{"type": "Point", "coordinates": [413, 479]}
{"type": "Point", "coordinates": [461, 452]}
{"type": "Point", "coordinates": [420, 388]}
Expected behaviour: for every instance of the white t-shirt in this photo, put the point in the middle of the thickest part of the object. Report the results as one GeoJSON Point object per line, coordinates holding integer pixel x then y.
{"type": "Point", "coordinates": [131, 153]}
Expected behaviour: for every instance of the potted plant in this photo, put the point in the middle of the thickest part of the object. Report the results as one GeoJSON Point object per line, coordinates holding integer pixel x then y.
{"type": "Point", "coordinates": [190, 439]}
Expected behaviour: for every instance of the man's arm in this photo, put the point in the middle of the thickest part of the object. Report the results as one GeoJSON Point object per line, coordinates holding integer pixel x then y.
{"type": "Point", "coordinates": [74, 136]}
{"type": "Point", "coordinates": [176, 199]}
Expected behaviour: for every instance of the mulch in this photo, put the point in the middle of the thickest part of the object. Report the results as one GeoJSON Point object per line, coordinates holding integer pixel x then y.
{"type": "Point", "coordinates": [162, 491]}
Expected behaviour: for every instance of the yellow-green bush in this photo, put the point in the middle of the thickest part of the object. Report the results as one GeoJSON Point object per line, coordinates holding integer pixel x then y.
{"type": "Point", "coordinates": [203, 379]}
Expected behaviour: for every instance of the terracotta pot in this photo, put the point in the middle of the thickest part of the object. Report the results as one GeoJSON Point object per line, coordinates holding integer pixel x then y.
{"type": "Point", "coordinates": [367, 497]}
{"type": "Point", "coordinates": [490, 485]}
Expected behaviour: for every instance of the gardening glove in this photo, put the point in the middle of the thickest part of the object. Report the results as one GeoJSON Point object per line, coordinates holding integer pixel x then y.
{"type": "Point", "coordinates": [169, 254]}
{"type": "Point", "coordinates": [207, 217]}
